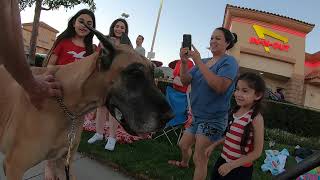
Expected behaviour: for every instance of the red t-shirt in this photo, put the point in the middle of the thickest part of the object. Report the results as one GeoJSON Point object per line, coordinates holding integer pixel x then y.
{"type": "Point", "coordinates": [68, 52]}
{"type": "Point", "coordinates": [176, 72]}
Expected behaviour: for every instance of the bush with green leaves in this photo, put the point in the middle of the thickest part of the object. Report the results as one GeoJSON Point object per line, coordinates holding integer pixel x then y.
{"type": "Point", "coordinates": [294, 119]}
{"type": "Point", "coordinates": [283, 137]}
{"type": "Point", "coordinates": [158, 73]}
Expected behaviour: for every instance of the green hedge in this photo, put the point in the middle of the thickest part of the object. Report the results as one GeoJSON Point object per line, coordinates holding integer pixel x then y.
{"type": "Point", "coordinates": [293, 119]}
{"type": "Point", "coordinates": [283, 137]}
{"type": "Point", "coordinates": [288, 117]}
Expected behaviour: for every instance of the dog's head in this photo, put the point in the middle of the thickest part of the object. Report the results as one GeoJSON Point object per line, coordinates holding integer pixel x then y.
{"type": "Point", "coordinates": [132, 98]}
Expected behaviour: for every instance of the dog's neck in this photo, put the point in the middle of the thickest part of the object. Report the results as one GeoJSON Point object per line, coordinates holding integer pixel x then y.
{"type": "Point", "coordinates": [84, 87]}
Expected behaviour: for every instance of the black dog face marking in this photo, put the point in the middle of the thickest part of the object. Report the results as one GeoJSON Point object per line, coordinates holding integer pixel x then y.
{"type": "Point", "coordinates": [143, 108]}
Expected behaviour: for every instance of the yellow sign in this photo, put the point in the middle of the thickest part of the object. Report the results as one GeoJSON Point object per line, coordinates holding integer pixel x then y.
{"type": "Point", "coordinates": [261, 32]}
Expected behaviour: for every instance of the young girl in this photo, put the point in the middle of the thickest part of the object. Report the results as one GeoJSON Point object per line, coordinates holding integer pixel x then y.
{"type": "Point", "coordinates": [75, 42]}
{"type": "Point", "coordinates": [243, 142]}
{"type": "Point", "coordinates": [71, 45]}
{"type": "Point", "coordinates": [118, 27]}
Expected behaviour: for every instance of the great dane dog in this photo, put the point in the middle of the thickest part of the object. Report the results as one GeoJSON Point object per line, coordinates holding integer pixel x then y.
{"type": "Point", "coordinates": [117, 77]}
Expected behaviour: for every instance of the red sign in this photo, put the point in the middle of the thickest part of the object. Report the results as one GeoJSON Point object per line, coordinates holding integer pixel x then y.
{"type": "Point", "coordinates": [267, 43]}
{"type": "Point", "coordinates": [262, 32]}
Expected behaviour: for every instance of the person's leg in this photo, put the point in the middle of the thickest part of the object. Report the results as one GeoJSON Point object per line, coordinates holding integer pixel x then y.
{"type": "Point", "coordinates": [101, 116]}
{"type": "Point", "coordinates": [200, 159]}
{"type": "Point", "coordinates": [207, 133]}
{"type": "Point", "coordinates": [113, 126]}
{"type": "Point", "coordinates": [185, 145]}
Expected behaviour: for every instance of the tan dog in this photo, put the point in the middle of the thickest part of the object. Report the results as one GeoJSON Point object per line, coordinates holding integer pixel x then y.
{"type": "Point", "coordinates": [116, 77]}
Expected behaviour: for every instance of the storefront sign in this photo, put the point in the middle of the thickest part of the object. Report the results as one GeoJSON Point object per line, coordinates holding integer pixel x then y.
{"type": "Point", "coordinates": [261, 32]}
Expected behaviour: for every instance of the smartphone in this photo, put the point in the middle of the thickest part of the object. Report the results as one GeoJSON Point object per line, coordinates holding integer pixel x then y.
{"type": "Point", "coordinates": [186, 41]}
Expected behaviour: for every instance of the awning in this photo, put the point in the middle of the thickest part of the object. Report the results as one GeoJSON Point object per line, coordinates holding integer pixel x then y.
{"type": "Point", "coordinates": [313, 78]}
{"type": "Point", "coordinates": [172, 64]}
{"type": "Point", "coordinates": [157, 63]}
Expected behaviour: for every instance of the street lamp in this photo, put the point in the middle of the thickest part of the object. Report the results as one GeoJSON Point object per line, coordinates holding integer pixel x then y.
{"type": "Point", "coordinates": [151, 54]}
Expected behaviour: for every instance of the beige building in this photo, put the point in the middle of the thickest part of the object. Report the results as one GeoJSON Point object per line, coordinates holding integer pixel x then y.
{"type": "Point", "coordinates": [274, 46]}
{"type": "Point", "coordinates": [45, 40]}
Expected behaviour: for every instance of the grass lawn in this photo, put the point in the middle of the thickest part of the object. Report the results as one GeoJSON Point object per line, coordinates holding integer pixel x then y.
{"type": "Point", "coordinates": [147, 159]}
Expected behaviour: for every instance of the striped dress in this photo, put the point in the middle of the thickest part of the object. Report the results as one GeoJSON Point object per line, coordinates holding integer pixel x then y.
{"type": "Point", "coordinates": [231, 149]}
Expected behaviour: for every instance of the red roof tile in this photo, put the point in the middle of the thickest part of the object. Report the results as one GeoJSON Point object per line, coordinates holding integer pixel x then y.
{"type": "Point", "coordinates": [250, 9]}
{"type": "Point", "coordinates": [42, 24]}
{"type": "Point", "coordinates": [313, 58]}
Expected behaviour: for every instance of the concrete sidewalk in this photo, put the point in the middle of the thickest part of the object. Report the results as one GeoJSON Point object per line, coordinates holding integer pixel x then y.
{"type": "Point", "coordinates": [85, 168]}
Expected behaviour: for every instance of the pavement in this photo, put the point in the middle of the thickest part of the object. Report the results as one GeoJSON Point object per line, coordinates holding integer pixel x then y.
{"type": "Point", "coordinates": [85, 168]}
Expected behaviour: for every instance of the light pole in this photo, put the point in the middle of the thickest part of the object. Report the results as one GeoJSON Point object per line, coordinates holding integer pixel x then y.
{"type": "Point", "coordinates": [151, 54]}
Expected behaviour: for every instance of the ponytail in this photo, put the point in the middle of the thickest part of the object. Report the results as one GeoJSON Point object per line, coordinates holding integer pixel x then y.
{"type": "Point", "coordinates": [231, 38]}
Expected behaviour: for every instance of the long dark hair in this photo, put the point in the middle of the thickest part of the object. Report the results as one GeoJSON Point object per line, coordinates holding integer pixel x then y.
{"type": "Point", "coordinates": [111, 30]}
{"type": "Point", "coordinates": [256, 83]}
{"type": "Point", "coordinates": [70, 31]}
{"type": "Point", "coordinates": [230, 37]}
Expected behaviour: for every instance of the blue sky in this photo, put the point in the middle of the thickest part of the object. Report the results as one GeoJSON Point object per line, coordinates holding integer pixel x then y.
{"type": "Point", "coordinates": [196, 17]}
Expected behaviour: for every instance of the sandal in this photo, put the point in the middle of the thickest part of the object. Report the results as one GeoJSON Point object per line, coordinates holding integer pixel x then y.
{"type": "Point", "coordinates": [178, 164]}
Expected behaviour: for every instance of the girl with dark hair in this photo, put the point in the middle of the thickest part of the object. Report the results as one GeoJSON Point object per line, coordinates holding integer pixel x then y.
{"type": "Point", "coordinates": [117, 27]}
{"type": "Point", "coordinates": [75, 42]}
{"type": "Point", "coordinates": [243, 142]}
{"type": "Point", "coordinates": [71, 45]}
{"type": "Point", "coordinates": [212, 83]}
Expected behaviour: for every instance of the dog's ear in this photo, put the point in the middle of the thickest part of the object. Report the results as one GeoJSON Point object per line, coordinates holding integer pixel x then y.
{"type": "Point", "coordinates": [105, 59]}
{"type": "Point", "coordinates": [124, 39]}
{"type": "Point", "coordinates": [107, 52]}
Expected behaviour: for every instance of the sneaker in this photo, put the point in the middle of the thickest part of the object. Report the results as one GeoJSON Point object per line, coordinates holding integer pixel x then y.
{"type": "Point", "coordinates": [95, 137]}
{"type": "Point", "coordinates": [110, 144]}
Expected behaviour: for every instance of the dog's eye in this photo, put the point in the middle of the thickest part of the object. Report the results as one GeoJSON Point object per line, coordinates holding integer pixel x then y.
{"type": "Point", "coordinates": [135, 70]}
{"type": "Point", "coordinates": [136, 73]}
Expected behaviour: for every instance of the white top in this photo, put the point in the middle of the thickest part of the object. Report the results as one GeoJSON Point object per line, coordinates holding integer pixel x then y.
{"type": "Point", "coordinates": [140, 50]}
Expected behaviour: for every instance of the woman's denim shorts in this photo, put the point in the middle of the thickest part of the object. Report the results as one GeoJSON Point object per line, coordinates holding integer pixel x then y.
{"type": "Point", "coordinates": [213, 129]}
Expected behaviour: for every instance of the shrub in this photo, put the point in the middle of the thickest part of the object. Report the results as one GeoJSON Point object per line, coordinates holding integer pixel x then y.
{"type": "Point", "coordinates": [39, 58]}
{"type": "Point", "coordinates": [158, 73]}
{"type": "Point", "coordinates": [283, 137]}
{"type": "Point", "coordinates": [293, 119]}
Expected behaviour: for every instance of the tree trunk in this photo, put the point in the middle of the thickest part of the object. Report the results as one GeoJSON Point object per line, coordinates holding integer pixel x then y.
{"type": "Point", "coordinates": [34, 35]}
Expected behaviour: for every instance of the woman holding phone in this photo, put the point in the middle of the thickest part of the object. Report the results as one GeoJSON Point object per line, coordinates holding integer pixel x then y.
{"type": "Point", "coordinates": [212, 82]}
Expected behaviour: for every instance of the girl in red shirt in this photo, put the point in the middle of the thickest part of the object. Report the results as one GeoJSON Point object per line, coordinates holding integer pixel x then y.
{"type": "Point", "coordinates": [243, 142]}
{"type": "Point", "coordinates": [75, 42]}
{"type": "Point", "coordinates": [177, 84]}
{"type": "Point", "coordinates": [71, 45]}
